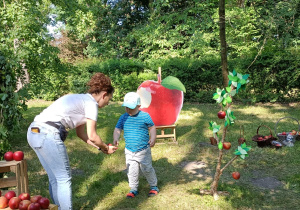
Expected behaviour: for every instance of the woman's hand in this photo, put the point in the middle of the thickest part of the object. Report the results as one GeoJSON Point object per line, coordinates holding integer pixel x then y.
{"type": "Point", "coordinates": [108, 149]}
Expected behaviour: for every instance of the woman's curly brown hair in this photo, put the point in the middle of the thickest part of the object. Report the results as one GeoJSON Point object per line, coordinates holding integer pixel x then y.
{"type": "Point", "coordinates": [99, 82]}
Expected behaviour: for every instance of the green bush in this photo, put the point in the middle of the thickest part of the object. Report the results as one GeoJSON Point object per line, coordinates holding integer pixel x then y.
{"type": "Point", "coordinates": [11, 105]}
{"type": "Point", "coordinates": [275, 77]}
{"type": "Point", "coordinates": [126, 75]}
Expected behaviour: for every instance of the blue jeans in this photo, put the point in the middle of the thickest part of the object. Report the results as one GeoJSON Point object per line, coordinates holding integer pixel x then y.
{"type": "Point", "coordinates": [53, 156]}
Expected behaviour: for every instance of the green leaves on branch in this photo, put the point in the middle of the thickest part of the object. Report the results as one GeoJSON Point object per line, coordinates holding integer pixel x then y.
{"type": "Point", "coordinates": [242, 150]}
{"type": "Point", "coordinates": [214, 127]}
{"type": "Point", "coordinates": [229, 118]}
{"type": "Point", "coordinates": [238, 80]}
{"type": "Point", "coordinates": [222, 97]}
{"type": "Point", "coordinates": [220, 145]}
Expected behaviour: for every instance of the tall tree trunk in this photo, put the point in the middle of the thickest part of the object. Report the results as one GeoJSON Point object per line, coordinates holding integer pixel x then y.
{"type": "Point", "coordinates": [223, 42]}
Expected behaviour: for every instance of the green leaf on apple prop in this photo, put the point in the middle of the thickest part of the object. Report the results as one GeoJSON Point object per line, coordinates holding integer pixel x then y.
{"type": "Point", "coordinates": [238, 80]}
{"type": "Point", "coordinates": [214, 127]}
{"type": "Point", "coordinates": [171, 82]}
{"type": "Point", "coordinates": [229, 118]}
{"type": "Point", "coordinates": [242, 150]}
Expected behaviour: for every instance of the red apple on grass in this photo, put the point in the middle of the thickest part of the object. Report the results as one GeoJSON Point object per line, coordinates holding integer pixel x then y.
{"type": "Point", "coordinates": [8, 156]}
{"type": "Point", "coordinates": [35, 198]}
{"type": "Point", "coordinates": [3, 202]}
{"type": "Point", "coordinates": [236, 175]}
{"type": "Point", "coordinates": [283, 133]}
{"type": "Point", "coordinates": [24, 196]}
{"type": "Point", "coordinates": [162, 99]}
{"type": "Point", "coordinates": [44, 202]}
{"type": "Point", "coordinates": [226, 145]}
{"type": "Point", "coordinates": [34, 206]}
{"type": "Point", "coordinates": [14, 202]}
{"type": "Point", "coordinates": [18, 155]}
{"type": "Point", "coordinates": [221, 114]}
{"type": "Point", "coordinates": [10, 194]}
{"type": "Point", "coordinates": [24, 204]}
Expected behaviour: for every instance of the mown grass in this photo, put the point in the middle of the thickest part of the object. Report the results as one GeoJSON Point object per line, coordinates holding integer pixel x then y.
{"type": "Point", "coordinates": [100, 181]}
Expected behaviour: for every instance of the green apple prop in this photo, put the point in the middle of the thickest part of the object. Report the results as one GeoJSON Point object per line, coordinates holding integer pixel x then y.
{"type": "Point", "coordinates": [163, 100]}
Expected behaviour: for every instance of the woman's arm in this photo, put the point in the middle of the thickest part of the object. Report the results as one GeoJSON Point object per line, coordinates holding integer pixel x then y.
{"type": "Point", "coordinates": [81, 133]}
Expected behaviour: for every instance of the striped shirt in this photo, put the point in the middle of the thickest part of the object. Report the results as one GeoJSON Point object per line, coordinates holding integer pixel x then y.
{"type": "Point", "coordinates": [136, 131]}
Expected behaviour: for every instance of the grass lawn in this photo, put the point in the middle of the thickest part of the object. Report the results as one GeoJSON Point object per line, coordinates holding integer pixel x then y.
{"type": "Point", "coordinates": [100, 181]}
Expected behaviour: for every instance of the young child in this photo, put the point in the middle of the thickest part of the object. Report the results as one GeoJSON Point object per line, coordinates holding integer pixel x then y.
{"type": "Point", "coordinates": [137, 125]}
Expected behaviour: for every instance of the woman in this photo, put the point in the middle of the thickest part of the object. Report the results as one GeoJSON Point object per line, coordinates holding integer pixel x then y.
{"type": "Point", "coordinates": [47, 133]}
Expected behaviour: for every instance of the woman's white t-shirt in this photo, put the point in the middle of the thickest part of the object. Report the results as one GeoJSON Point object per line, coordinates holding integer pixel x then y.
{"type": "Point", "coordinates": [71, 110]}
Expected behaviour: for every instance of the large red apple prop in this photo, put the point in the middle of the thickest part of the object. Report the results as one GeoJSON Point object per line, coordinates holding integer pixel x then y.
{"type": "Point", "coordinates": [10, 194]}
{"type": "Point", "coordinates": [24, 196]}
{"type": "Point", "coordinates": [18, 155]}
{"type": "Point", "coordinates": [24, 204]}
{"type": "Point", "coordinates": [14, 203]}
{"type": "Point", "coordinates": [34, 206]}
{"type": "Point", "coordinates": [8, 156]}
{"type": "Point", "coordinates": [162, 99]}
{"type": "Point", "coordinates": [3, 202]}
{"type": "Point", "coordinates": [44, 202]}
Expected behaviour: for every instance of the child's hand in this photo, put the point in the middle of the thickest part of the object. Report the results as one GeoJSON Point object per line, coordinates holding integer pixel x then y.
{"type": "Point", "coordinates": [151, 142]}
{"type": "Point", "coordinates": [111, 149]}
{"type": "Point", "coordinates": [116, 143]}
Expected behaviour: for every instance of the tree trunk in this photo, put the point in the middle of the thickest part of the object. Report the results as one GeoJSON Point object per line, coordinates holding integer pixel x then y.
{"type": "Point", "coordinates": [218, 173]}
{"type": "Point", "coordinates": [223, 42]}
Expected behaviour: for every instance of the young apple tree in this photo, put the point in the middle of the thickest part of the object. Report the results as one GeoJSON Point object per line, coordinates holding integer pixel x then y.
{"type": "Point", "coordinates": [224, 98]}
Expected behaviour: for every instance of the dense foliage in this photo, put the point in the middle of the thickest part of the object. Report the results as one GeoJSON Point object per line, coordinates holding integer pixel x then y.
{"type": "Point", "coordinates": [11, 105]}
{"type": "Point", "coordinates": [129, 40]}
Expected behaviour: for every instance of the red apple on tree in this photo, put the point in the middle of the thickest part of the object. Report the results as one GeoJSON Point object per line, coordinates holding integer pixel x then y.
{"type": "Point", "coordinates": [24, 196]}
{"type": "Point", "coordinates": [35, 198]}
{"type": "Point", "coordinates": [18, 155]}
{"type": "Point", "coordinates": [44, 202]}
{"type": "Point", "coordinates": [221, 114]}
{"type": "Point", "coordinates": [236, 175]}
{"type": "Point", "coordinates": [226, 145]}
{"type": "Point", "coordinates": [163, 100]}
{"type": "Point", "coordinates": [10, 194]}
{"type": "Point", "coordinates": [24, 204]}
{"type": "Point", "coordinates": [8, 156]}
{"type": "Point", "coordinates": [34, 206]}
{"type": "Point", "coordinates": [14, 202]}
{"type": "Point", "coordinates": [3, 202]}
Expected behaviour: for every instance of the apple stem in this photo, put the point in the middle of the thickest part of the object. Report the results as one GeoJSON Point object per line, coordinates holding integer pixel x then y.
{"type": "Point", "coordinates": [159, 75]}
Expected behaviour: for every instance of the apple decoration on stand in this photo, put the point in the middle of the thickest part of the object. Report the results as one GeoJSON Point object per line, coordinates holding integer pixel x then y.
{"type": "Point", "coordinates": [162, 99]}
